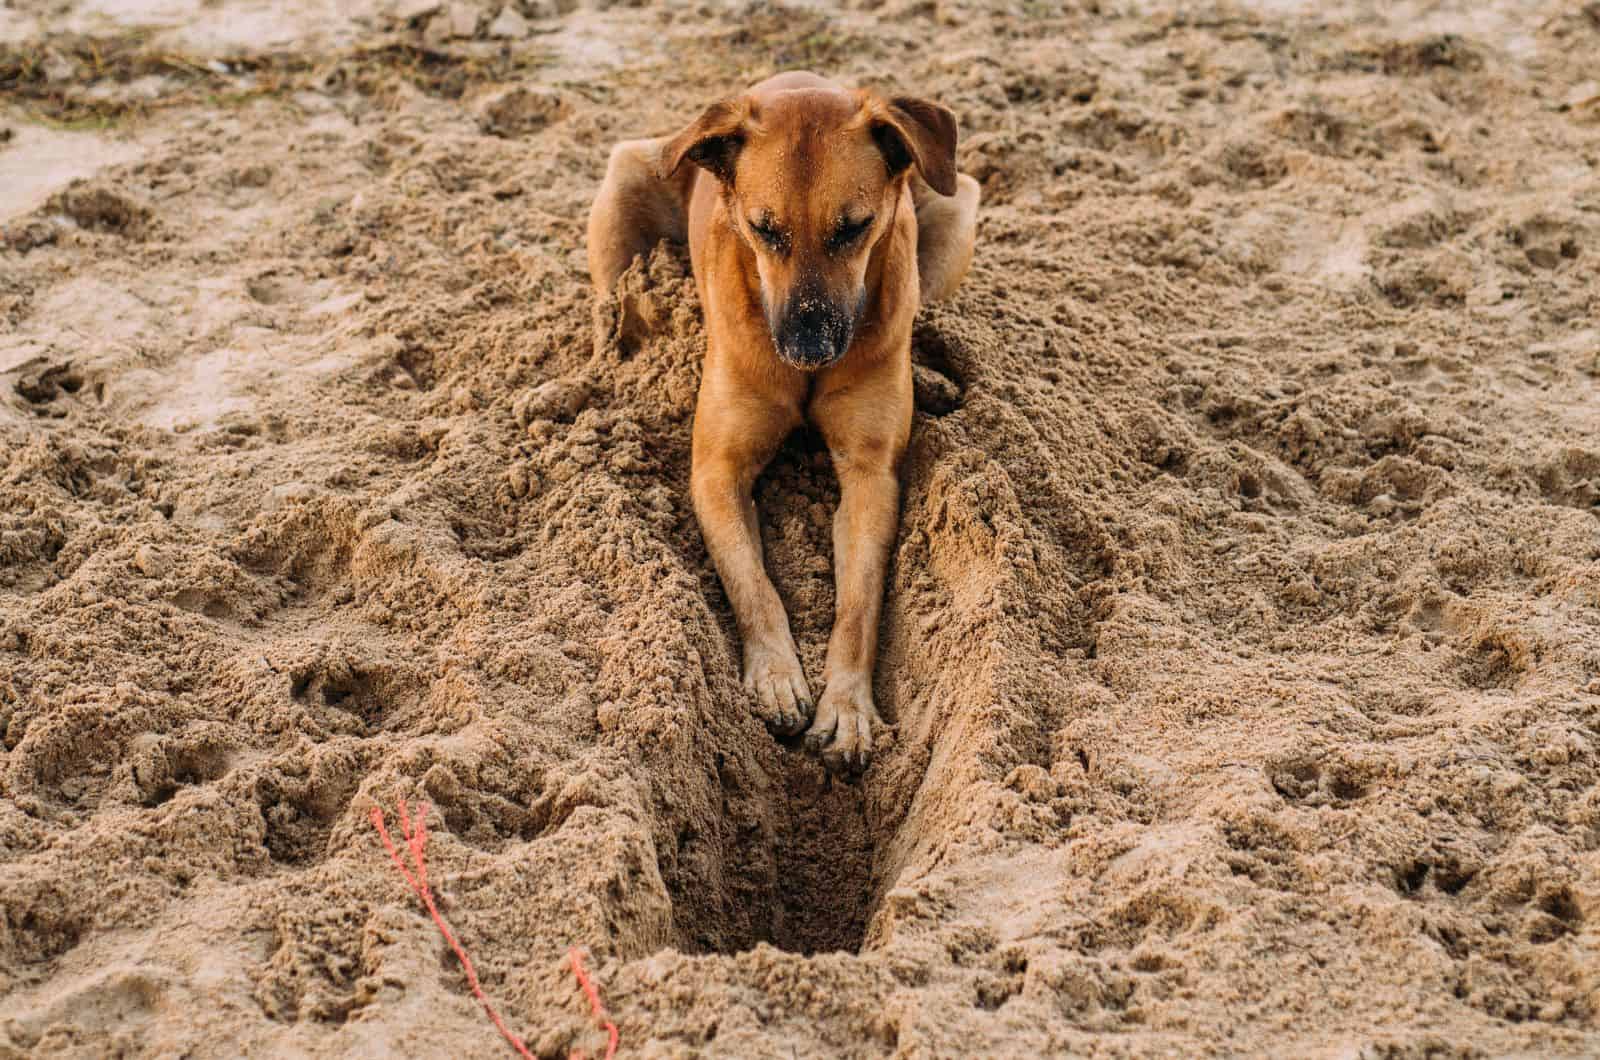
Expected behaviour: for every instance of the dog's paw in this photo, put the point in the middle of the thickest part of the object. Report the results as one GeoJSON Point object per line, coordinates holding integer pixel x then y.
{"type": "Point", "coordinates": [842, 731]}
{"type": "Point", "coordinates": [773, 676]}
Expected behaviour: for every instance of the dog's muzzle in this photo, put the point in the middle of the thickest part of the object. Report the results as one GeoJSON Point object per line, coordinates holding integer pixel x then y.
{"type": "Point", "coordinates": [812, 332]}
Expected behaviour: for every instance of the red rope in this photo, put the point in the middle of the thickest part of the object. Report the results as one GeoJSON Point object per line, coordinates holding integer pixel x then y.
{"type": "Point", "coordinates": [416, 837]}
{"type": "Point", "coordinates": [599, 1009]}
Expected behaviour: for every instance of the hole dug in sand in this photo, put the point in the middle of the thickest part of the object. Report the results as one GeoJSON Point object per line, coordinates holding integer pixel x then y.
{"type": "Point", "coordinates": [792, 867]}
{"type": "Point", "coordinates": [824, 856]}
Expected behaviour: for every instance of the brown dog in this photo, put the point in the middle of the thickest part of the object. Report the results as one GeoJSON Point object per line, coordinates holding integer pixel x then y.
{"type": "Point", "coordinates": [817, 220]}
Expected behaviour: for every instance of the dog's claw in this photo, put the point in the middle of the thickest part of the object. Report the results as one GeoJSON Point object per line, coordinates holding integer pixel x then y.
{"type": "Point", "coordinates": [803, 711]}
{"type": "Point", "coordinates": [845, 764]}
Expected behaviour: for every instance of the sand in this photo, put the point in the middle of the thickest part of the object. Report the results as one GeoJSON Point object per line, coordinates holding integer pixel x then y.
{"type": "Point", "coordinates": [1242, 643]}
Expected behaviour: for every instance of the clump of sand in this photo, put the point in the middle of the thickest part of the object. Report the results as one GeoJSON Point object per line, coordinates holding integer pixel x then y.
{"type": "Point", "coordinates": [1242, 646]}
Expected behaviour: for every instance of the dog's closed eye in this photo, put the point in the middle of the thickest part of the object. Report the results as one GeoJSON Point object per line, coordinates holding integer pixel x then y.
{"type": "Point", "coordinates": [847, 231]}
{"type": "Point", "coordinates": [770, 234]}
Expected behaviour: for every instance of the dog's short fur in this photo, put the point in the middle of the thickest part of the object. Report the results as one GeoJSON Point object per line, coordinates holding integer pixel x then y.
{"type": "Point", "coordinates": [817, 219]}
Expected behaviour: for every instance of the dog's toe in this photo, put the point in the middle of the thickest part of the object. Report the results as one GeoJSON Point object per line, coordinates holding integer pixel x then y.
{"type": "Point", "coordinates": [790, 716]}
{"type": "Point", "coordinates": [788, 722]}
{"type": "Point", "coordinates": [818, 736]}
{"type": "Point", "coordinates": [823, 725]}
{"type": "Point", "coordinates": [796, 719]}
{"type": "Point", "coordinates": [846, 763]}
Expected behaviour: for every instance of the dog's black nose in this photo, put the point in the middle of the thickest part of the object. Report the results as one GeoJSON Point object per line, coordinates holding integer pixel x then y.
{"type": "Point", "coordinates": [813, 332]}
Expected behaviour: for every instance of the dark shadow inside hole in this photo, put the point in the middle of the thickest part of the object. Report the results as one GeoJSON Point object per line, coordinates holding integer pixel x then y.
{"type": "Point", "coordinates": [799, 877]}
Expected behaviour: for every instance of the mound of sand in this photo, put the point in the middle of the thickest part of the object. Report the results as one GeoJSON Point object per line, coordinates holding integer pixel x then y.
{"type": "Point", "coordinates": [1242, 646]}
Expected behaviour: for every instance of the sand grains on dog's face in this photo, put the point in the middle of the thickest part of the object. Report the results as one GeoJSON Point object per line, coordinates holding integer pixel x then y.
{"type": "Point", "coordinates": [1239, 642]}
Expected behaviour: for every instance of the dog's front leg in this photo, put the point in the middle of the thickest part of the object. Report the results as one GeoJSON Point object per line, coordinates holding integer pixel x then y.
{"type": "Point", "coordinates": [863, 534]}
{"type": "Point", "coordinates": [732, 442]}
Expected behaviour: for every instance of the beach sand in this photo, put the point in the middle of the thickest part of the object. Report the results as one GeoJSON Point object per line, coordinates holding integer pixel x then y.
{"type": "Point", "coordinates": [1241, 647]}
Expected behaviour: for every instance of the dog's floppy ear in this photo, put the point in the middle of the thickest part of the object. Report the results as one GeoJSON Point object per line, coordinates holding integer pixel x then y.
{"type": "Point", "coordinates": [711, 141]}
{"type": "Point", "coordinates": [916, 131]}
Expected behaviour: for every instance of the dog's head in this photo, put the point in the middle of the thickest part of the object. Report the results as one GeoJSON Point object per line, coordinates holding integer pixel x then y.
{"type": "Point", "coordinates": [811, 179]}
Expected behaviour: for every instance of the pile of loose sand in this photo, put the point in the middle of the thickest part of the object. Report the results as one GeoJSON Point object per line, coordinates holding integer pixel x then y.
{"type": "Point", "coordinates": [1242, 646]}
